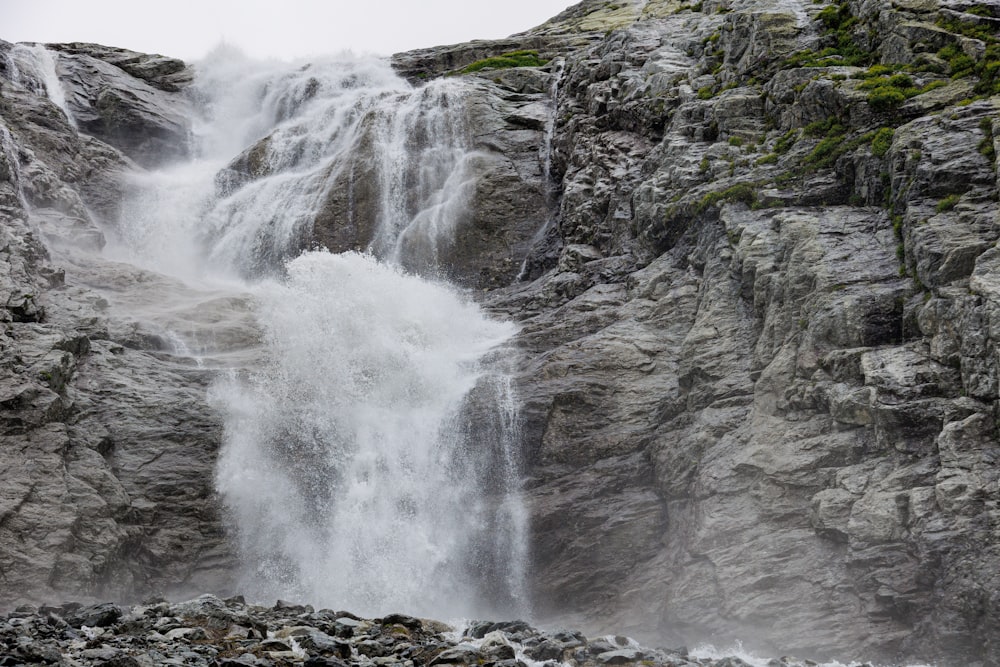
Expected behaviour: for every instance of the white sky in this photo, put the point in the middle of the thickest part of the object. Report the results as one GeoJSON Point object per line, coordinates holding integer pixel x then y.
{"type": "Point", "coordinates": [283, 29]}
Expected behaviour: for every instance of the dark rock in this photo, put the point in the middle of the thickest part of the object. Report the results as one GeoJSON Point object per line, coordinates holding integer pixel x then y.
{"type": "Point", "coordinates": [462, 654]}
{"type": "Point", "coordinates": [95, 616]}
{"type": "Point", "coordinates": [404, 620]}
{"type": "Point", "coordinates": [520, 629]}
{"type": "Point", "coordinates": [620, 657]}
{"type": "Point", "coordinates": [319, 642]}
{"type": "Point", "coordinates": [290, 608]}
{"type": "Point", "coordinates": [147, 123]}
{"type": "Point", "coordinates": [322, 661]}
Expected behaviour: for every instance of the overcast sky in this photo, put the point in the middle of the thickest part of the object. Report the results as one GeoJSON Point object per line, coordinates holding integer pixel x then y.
{"type": "Point", "coordinates": [283, 29]}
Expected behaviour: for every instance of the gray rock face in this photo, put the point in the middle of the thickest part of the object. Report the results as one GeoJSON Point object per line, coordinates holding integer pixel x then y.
{"type": "Point", "coordinates": [746, 365]}
{"type": "Point", "coordinates": [108, 444]}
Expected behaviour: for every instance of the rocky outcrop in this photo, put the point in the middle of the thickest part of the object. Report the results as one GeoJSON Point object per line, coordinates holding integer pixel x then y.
{"type": "Point", "coordinates": [128, 100]}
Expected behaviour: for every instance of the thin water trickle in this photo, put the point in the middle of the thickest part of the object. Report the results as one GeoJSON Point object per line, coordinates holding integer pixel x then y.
{"type": "Point", "coordinates": [370, 458]}
{"type": "Point", "coordinates": [546, 149]}
{"type": "Point", "coordinates": [11, 165]}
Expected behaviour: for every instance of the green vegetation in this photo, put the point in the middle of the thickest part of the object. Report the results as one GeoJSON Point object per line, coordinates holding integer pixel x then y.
{"type": "Point", "coordinates": [986, 146]}
{"type": "Point", "coordinates": [976, 30]}
{"type": "Point", "coordinates": [526, 58]}
{"type": "Point", "coordinates": [706, 93]}
{"type": "Point", "coordinates": [735, 141]}
{"type": "Point", "coordinates": [741, 192]}
{"type": "Point", "coordinates": [960, 64]}
{"type": "Point", "coordinates": [888, 92]}
{"type": "Point", "coordinates": [900, 81]}
{"type": "Point", "coordinates": [827, 150]}
{"type": "Point", "coordinates": [834, 142]}
{"type": "Point", "coordinates": [885, 99]}
{"type": "Point", "coordinates": [988, 70]}
{"type": "Point", "coordinates": [980, 10]}
{"type": "Point", "coordinates": [770, 158]}
{"type": "Point", "coordinates": [785, 143]}
{"type": "Point", "coordinates": [877, 70]}
{"type": "Point", "coordinates": [881, 141]}
{"type": "Point", "coordinates": [831, 146]}
{"type": "Point", "coordinates": [694, 8]}
{"type": "Point", "coordinates": [947, 203]}
{"type": "Point", "coordinates": [822, 128]}
{"type": "Point", "coordinates": [840, 48]}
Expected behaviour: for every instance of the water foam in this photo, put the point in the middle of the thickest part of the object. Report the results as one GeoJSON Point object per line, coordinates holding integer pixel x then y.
{"type": "Point", "coordinates": [351, 466]}
{"type": "Point", "coordinates": [370, 460]}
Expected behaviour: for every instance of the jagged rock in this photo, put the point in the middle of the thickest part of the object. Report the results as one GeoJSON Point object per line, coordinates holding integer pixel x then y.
{"type": "Point", "coordinates": [27, 636]}
{"type": "Point", "coordinates": [96, 616]}
{"type": "Point", "coordinates": [169, 74]}
{"type": "Point", "coordinates": [123, 99]}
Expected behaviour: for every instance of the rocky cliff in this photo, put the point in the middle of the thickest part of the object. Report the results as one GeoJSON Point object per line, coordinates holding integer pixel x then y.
{"type": "Point", "coordinates": [751, 247]}
{"type": "Point", "coordinates": [108, 443]}
{"type": "Point", "coordinates": [760, 373]}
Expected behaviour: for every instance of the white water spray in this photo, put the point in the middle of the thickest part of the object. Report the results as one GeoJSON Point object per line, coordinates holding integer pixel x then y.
{"type": "Point", "coordinates": [349, 465]}
{"type": "Point", "coordinates": [370, 459]}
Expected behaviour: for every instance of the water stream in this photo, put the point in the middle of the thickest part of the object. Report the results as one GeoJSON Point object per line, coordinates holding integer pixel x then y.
{"type": "Point", "coordinates": [370, 452]}
{"type": "Point", "coordinates": [34, 67]}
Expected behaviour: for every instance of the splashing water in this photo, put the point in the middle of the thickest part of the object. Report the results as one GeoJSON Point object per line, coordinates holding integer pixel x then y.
{"type": "Point", "coordinates": [711, 652]}
{"type": "Point", "coordinates": [351, 473]}
{"type": "Point", "coordinates": [370, 458]}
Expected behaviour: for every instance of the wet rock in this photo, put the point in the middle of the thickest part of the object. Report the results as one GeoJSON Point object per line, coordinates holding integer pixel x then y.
{"type": "Point", "coordinates": [95, 616]}
{"type": "Point", "coordinates": [462, 654]}
{"type": "Point", "coordinates": [620, 657]}
{"type": "Point", "coordinates": [149, 124]}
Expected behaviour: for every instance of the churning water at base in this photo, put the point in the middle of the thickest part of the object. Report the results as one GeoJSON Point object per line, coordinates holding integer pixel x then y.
{"type": "Point", "coordinates": [350, 465]}
{"type": "Point", "coordinates": [370, 457]}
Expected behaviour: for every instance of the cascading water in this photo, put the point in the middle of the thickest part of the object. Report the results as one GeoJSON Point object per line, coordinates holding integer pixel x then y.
{"type": "Point", "coordinates": [349, 468]}
{"type": "Point", "coordinates": [34, 67]}
{"type": "Point", "coordinates": [423, 201]}
{"type": "Point", "coordinates": [370, 457]}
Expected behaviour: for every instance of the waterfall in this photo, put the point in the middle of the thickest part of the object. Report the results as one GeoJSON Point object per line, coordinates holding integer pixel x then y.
{"type": "Point", "coordinates": [34, 67]}
{"type": "Point", "coordinates": [427, 176]}
{"type": "Point", "coordinates": [550, 127]}
{"type": "Point", "coordinates": [370, 457]}
{"type": "Point", "coordinates": [349, 464]}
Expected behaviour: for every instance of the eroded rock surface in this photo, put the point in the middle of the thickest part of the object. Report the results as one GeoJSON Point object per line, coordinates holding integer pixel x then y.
{"type": "Point", "coordinates": [108, 444]}
{"type": "Point", "coordinates": [757, 335]}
